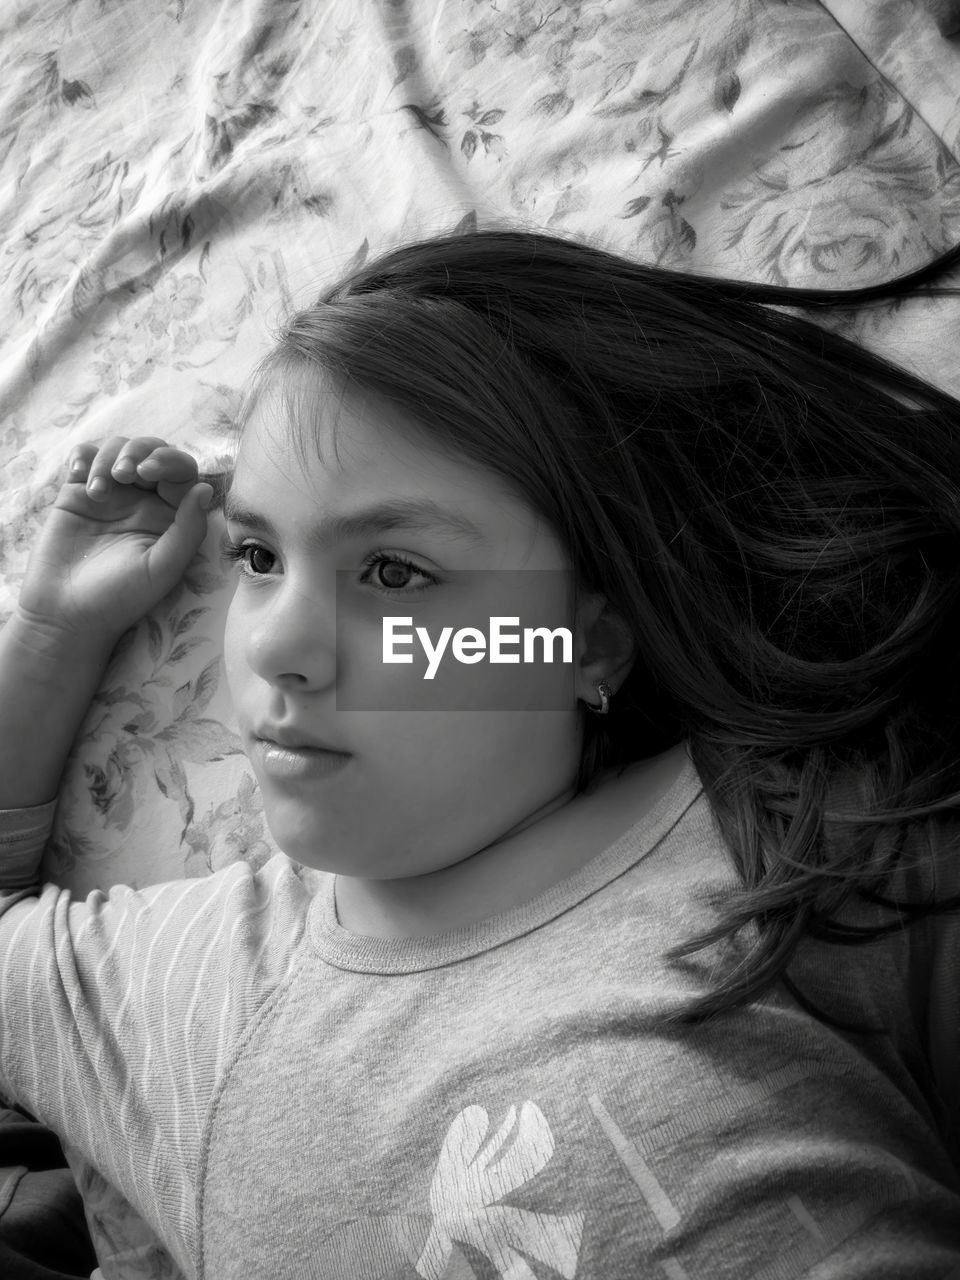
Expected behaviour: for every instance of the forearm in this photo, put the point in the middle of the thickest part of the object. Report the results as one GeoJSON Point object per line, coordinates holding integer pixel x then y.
{"type": "Point", "coordinates": [47, 683]}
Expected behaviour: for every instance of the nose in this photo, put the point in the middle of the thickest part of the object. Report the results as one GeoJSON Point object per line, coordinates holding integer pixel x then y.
{"type": "Point", "coordinates": [291, 639]}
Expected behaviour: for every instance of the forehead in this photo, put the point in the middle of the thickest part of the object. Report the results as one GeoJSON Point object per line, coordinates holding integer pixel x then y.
{"type": "Point", "coordinates": [303, 429]}
{"type": "Point", "coordinates": [346, 465]}
{"type": "Point", "coordinates": [352, 465]}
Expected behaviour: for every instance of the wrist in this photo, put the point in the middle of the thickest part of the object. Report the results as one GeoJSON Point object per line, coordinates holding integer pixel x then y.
{"type": "Point", "coordinates": [48, 677]}
{"type": "Point", "coordinates": [53, 644]}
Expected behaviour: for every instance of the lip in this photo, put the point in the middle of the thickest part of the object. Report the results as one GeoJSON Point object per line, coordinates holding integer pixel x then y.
{"type": "Point", "coordinates": [298, 762]}
{"type": "Point", "coordinates": [293, 739]}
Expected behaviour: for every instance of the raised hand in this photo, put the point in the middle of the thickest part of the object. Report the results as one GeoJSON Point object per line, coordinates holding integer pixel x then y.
{"type": "Point", "coordinates": [126, 523]}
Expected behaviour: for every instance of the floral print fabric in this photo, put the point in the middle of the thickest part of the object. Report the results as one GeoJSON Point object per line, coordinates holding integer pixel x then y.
{"type": "Point", "coordinates": [171, 183]}
{"type": "Point", "coordinates": [173, 179]}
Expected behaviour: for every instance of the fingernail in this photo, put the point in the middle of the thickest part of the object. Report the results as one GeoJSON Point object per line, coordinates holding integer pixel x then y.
{"type": "Point", "coordinates": [76, 465]}
{"type": "Point", "coordinates": [98, 485]}
{"type": "Point", "coordinates": [124, 465]}
{"type": "Point", "coordinates": [206, 498]}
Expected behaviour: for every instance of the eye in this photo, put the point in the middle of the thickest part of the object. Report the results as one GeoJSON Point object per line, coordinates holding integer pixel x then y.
{"type": "Point", "coordinates": [253, 560]}
{"type": "Point", "coordinates": [393, 574]}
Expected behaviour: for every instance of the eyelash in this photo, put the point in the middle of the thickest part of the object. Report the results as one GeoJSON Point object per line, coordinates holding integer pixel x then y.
{"type": "Point", "coordinates": [237, 552]}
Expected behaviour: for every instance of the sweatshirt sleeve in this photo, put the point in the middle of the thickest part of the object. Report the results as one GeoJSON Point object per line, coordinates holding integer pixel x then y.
{"type": "Point", "coordinates": [118, 1014]}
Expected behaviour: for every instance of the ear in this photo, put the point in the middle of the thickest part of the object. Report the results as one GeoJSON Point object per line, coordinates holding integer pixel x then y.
{"type": "Point", "coordinates": [604, 647]}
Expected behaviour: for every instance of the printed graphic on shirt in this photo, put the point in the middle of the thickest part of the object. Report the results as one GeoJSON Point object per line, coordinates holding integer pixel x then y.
{"type": "Point", "coordinates": [600, 1185]}
{"type": "Point", "coordinates": [469, 1226]}
{"type": "Point", "coordinates": [473, 1176]}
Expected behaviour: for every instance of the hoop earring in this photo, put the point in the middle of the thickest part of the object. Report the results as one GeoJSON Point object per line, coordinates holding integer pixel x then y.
{"type": "Point", "coordinates": [605, 692]}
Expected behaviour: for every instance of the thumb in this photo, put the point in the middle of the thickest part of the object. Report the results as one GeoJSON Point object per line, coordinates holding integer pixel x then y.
{"type": "Point", "coordinates": [174, 549]}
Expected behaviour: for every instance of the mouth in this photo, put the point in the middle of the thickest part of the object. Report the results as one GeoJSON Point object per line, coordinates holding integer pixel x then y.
{"type": "Point", "coordinates": [289, 762]}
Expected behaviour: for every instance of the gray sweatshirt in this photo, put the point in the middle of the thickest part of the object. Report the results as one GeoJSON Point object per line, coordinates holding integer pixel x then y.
{"type": "Point", "coordinates": [278, 1098]}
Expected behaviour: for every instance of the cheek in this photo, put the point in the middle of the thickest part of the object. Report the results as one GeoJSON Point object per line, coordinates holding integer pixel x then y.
{"type": "Point", "coordinates": [448, 785]}
{"type": "Point", "coordinates": [234, 663]}
{"type": "Point", "coordinates": [470, 756]}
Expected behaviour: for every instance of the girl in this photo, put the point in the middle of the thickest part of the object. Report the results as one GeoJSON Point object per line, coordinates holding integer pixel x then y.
{"type": "Point", "coordinates": [574, 993]}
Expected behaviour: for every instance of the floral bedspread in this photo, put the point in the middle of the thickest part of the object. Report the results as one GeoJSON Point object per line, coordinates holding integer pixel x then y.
{"type": "Point", "coordinates": [174, 176]}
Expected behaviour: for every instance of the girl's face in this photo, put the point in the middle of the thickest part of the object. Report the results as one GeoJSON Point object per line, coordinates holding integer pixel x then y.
{"type": "Point", "coordinates": [417, 786]}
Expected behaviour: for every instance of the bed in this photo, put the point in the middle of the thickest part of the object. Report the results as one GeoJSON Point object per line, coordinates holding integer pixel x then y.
{"type": "Point", "coordinates": [176, 177]}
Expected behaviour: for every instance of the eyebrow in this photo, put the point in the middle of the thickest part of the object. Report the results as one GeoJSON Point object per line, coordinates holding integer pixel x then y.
{"type": "Point", "coordinates": [407, 514]}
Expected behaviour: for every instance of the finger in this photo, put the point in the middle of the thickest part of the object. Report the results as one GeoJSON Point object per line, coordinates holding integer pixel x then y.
{"type": "Point", "coordinates": [78, 462]}
{"type": "Point", "coordinates": [174, 549]}
{"type": "Point", "coordinates": [165, 464]}
{"type": "Point", "coordinates": [131, 455]}
{"type": "Point", "coordinates": [98, 473]}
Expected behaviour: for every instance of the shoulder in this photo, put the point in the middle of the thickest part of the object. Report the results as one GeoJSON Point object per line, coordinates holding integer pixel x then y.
{"type": "Point", "coordinates": [234, 912]}
{"type": "Point", "coordinates": [223, 941]}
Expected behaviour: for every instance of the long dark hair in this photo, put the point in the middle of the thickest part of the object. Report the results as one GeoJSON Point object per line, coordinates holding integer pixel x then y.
{"type": "Point", "coordinates": [750, 491]}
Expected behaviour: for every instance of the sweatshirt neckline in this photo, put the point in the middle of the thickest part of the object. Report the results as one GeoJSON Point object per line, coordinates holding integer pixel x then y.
{"type": "Point", "coordinates": [360, 953]}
